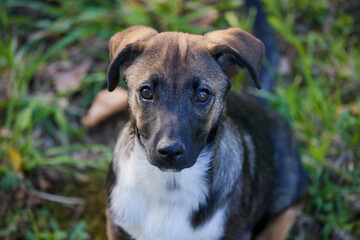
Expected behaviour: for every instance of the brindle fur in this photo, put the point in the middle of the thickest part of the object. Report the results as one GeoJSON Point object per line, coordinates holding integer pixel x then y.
{"type": "Point", "coordinates": [175, 64]}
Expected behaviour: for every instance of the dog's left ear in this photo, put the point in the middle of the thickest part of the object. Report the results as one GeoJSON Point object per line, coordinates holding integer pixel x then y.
{"type": "Point", "coordinates": [124, 47]}
{"type": "Point", "coordinates": [235, 49]}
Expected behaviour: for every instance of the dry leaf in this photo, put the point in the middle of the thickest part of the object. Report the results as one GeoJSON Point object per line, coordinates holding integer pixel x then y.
{"type": "Point", "coordinates": [15, 158]}
{"type": "Point", "coordinates": [38, 35]}
{"type": "Point", "coordinates": [5, 84]}
{"type": "Point", "coordinates": [68, 76]}
{"type": "Point", "coordinates": [341, 108]}
{"type": "Point", "coordinates": [207, 20]}
{"type": "Point", "coordinates": [284, 66]}
{"type": "Point", "coordinates": [63, 103]}
{"type": "Point", "coordinates": [354, 110]}
{"type": "Point", "coordinates": [104, 105]}
{"type": "Point", "coordinates": [5, 133]}
{"type": "Point", "coordinates": [45, 184]}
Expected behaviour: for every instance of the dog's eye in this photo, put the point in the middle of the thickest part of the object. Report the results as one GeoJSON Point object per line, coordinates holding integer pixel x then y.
{"type": "Point", "coordinates": [203, 95]}
{"type": "Point", "coordinates": [146, 93]}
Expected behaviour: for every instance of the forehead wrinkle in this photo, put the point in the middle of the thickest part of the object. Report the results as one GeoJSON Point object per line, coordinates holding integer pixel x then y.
{"type": "Point", "coordinates": [172, 61]}
{"type": "Point", "coordinates": [183, 47]}
{"type": "Point", "coordinates": [170, 51]}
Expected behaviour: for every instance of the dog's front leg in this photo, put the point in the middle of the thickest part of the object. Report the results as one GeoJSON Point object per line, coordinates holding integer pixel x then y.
{"type": "Point", "coordinates": [114, 232]}
{"type": "Point", "coordinates": [280, 226]}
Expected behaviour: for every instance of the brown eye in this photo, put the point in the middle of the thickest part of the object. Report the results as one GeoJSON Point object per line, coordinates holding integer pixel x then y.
{"type": "Point", "coordinates": [146, 93]}
{"type": "Point", "coordinates": [202, 96]}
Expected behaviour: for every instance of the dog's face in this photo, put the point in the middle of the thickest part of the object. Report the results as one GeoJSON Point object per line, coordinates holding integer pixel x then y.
{"type": "Point", "coordinates": [177, 84]}
{"type": "Point", "coordinates": [176, 93]}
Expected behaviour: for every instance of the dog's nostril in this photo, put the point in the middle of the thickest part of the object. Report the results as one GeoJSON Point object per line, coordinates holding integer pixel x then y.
{"type": "Point", "coordinates": [171, 150]}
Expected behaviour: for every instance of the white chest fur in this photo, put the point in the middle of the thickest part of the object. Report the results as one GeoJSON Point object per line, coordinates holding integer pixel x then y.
{"type": "Point", "coordinates": [154, 205]}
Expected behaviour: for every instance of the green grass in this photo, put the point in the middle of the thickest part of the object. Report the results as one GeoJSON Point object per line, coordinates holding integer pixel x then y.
{"type": "Point", "coordinates": [318, 95]}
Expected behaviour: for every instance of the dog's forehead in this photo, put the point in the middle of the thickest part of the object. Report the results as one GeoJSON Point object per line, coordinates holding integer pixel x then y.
{"type": "Point", "coordinates": [173, 50]}
{"type": "Point", "coordinates": [171, 41]}
{"type": "Point", "coordinates": [173, 55]}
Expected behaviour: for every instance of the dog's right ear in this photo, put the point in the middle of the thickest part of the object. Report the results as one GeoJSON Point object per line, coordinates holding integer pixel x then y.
{"type": "Point", "coordinates": [124, 47]}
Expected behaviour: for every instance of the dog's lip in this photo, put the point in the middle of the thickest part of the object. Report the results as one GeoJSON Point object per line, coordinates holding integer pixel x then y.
{"type": "Point", "coordinates": [163, 169]}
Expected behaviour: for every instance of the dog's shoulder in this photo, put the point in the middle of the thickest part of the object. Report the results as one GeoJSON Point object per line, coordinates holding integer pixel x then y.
{"type": "Point", "coordinates": [252, 121]}
{"type": "Point", "coordinates": [275, 145]}
{"type": "Point", "coordinates": [123, 147]}
{"type": "Point", "coordinates": [248, 121]}
{"type": "Point", "coordinates": [248, 115]}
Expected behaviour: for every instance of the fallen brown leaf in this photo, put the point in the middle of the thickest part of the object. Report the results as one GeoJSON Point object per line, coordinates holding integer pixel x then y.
{"type": "Point", "coordinates": [284, 66]}
{"type": "Point", "coordinates": [341, 108]}
{"type": "Point", "coordinates": [5, 133]}
{"type": "Point", "coordinates": [5, 84]}
{"type": "Point", "coordinates": [104, 105]}
{"type": "Point", "coordinates": [68, 76]}
{"type": "Point", "coordinates": [38, 35]}
{"type": "Point", "coordinates": [354, 110]}
{"type": "Point", "coordinates": [207, 20]}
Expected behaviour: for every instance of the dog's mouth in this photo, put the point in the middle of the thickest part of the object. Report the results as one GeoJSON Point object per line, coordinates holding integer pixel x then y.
{"type": "Point", "coordinates": [170, 170]}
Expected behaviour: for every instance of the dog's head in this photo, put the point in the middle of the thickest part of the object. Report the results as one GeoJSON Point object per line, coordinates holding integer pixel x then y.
{"type": "Point", "coordinates": [177, 83]}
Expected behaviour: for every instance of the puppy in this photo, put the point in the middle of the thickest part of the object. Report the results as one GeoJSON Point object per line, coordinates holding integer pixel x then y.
{"type": "Point", "coordinates": [197, 161]}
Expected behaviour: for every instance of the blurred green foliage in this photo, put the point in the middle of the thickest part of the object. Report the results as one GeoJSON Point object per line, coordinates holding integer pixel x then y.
{"type": "Point", "coordinates": [319, 41]}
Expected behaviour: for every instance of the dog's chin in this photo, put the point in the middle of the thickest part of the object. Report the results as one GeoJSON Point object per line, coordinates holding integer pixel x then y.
{"type": "Point", "coordinates": [170, 170]}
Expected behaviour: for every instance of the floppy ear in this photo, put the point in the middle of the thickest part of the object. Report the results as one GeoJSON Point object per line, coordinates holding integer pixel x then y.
{"type": "Point", "coordinates": [124, 47]}
{"type": "Point", "coordinates": [235, 49]}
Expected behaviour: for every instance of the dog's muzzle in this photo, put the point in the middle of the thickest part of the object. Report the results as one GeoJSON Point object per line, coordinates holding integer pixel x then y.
{"type": "Point", "coordinates": [170, 153]}
{"type": "Point", "coordinates": [171, 156]}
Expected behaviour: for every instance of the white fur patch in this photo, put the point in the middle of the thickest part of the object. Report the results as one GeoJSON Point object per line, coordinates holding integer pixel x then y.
{"type": "Point", "coordinates": [144, 206]}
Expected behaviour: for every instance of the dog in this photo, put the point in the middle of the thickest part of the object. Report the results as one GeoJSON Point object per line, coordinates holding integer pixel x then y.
{"type": "Point", "coordinates": [197, 161]}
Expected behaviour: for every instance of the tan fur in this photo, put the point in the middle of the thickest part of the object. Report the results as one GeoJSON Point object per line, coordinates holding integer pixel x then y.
{"type": "Point", "coordinates": [279, 227]}
{"type": "Point", "coordinates": [183, 46]}
{"type": "Point", "coordinates": [113, 232]}
{"type": "Point", "coordinates": [241, 42]}
{"type": "Point", "coordinates": [110, 232]}
{"type": "Point", "coordinates": [237, 42]}
{"type": "Point", "coordinates": [119, 41]}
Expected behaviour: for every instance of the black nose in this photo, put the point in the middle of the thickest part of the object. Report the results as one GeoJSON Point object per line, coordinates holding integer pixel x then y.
{"type": "Point", "coordinates": [170, 151]}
